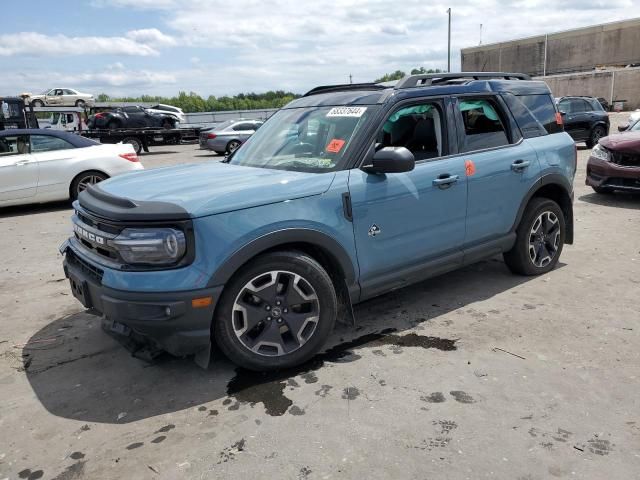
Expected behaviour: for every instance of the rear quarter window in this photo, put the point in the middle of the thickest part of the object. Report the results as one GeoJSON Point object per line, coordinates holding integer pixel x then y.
{"type": "Point", "coordinates": [543, 110]}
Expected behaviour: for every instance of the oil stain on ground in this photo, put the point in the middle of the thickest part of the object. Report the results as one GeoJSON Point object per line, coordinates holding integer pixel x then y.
{"type": "Point", "coordinates": [249, 387]}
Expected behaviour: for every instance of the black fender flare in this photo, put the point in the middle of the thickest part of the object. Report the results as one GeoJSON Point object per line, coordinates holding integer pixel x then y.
{"type": "Point", "coordinates": [285, 236]}
{"type": "Point", "coordinates": [566, 202]}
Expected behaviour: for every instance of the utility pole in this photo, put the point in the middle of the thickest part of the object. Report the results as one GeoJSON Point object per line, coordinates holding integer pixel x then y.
{"type": "Point", "coordinates": [449, 43]}
{"type": "Point", "coordinates": [350, 78]}
{"type": "Point", "coordinates": [480, 34]}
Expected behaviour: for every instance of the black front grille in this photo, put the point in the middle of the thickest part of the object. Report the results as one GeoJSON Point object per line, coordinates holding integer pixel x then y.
{"type": "Point", "coordinates": [93, 272]}
{"type": "Point", "coordinates": [625, 159]}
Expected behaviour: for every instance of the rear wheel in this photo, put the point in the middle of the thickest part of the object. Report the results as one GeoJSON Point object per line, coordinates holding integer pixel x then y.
{"type": "Point", "coordinates": [276, 312]}
{"type": "Point", "coordinates": [539, 239]}
{"type": "Point", "coordinates": [80, 103]}
{"type": "Point", "coordinates": [232, 146]}
{"type": "Point", "coordinates": [135, 143]}
{"type": "Point", "coordinates": [596, 134]}
{"type": "Point", "coordinates": [84, 180]}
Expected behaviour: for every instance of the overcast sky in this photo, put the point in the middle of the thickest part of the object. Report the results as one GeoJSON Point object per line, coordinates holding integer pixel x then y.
{"type": "Point", "coordinates": [211, 47]}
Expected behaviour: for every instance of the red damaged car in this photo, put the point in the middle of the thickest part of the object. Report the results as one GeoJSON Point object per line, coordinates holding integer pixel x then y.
{"type": "Point", "coordinates": [614, 163]}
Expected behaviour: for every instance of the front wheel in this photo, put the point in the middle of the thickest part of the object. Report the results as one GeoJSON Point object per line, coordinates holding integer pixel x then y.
{"type": "Point", "coordinates": [80, 103]}
{"type": "Point", "coordinates": [84, 181]}
{"type": "Point", "coordinates": [596, 134]}
{"type": "Point", "coordinates": [37, 103]}
{"type": "Point", "coordinates": [276, 312]}
{"type": "Point", "coordinates": [539, 239]}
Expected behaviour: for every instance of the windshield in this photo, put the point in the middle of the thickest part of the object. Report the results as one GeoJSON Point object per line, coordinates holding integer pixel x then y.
{"type": "Point", "coordinates": [312, 139]}
{"type": "Point", "coordinates": [636, 127]}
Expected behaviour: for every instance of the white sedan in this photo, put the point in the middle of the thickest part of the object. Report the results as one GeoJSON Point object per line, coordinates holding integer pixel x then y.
{"type": "Point", "coordinates": [62, 97]}
{"type": "Point", "coordinates": [46, 165]}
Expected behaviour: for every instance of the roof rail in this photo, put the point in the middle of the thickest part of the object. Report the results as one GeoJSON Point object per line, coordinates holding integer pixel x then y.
{"type": "Point", "coordinates": [344, 87]}
{"type": "Point", "coordinates": [428, 79]}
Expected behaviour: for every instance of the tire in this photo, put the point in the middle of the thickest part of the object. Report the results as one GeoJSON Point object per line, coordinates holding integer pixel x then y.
{"type": "Point", "coordinates": [603, 190]}
{"type": "Point", "coordinates": [596, 134]}
{"type": "Point", "coordinates": [167, 124]}
{"type": "Point", "coordinates": [135, 143]}
{"type": "Point", "coordinates": [37, 103]}
{"type": "Point", "coordinates": [527, 257]}
{"type": "Point", "coordinates": [277, 341]}
{"type": "Point", "coordinates": [80, 103]}
{"type": "Point", "coordinates": [83, 180]}
{"type": "Point", "coordinates": [232, 146]}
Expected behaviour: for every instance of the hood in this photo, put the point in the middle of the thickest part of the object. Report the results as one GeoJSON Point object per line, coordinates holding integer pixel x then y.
{"type": "Point", "coordinates": [626, 142]}
{"type": "Point", "coordinates": [211, 188]}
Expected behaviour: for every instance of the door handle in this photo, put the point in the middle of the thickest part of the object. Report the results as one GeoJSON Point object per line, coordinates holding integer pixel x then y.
{"type": "Point", "coordinates": [519, 165]}
{"type": "Point", "coordinates": [445, 180]}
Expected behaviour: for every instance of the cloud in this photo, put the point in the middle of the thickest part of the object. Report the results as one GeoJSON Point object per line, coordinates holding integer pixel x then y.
{"type": "Point", "coordinates": [151, 36]}
{"type": "Point", "coordinates": [145, 42]}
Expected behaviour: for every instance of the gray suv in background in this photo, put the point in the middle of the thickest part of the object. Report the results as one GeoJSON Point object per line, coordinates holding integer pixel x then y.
{"type": "Point", "coordinates": [226, 137]}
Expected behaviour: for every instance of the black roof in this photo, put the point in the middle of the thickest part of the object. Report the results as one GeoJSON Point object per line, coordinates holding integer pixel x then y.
{"type": "Point", "coordinates": [421, 85]}
{"type": "Point", "coordinates": [74, 139]}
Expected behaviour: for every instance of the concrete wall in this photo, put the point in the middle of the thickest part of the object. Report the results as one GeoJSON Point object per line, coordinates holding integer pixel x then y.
{"type": "Point", "coordinates": [621, 84]}
{"type": "Point", "coordinates": [611, 44]}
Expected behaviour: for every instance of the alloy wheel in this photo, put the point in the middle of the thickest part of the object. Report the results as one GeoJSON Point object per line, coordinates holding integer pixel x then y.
{"type": "Point", "coordinates": [87, 181]}
{"type": "Point", "coordinates": [275, 313]}
{"type": "Point", "coordinates": [233, 146]}
{"type": "Point", "coordinates": [544, 239]}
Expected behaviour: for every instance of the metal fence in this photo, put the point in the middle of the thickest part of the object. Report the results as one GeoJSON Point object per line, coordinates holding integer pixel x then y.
{"type": "Point", "coordinates": [216, 117]}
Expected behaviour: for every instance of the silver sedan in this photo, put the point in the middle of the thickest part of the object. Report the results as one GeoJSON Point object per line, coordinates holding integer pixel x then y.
{"type": "Point", "coordinates": [226, 137]}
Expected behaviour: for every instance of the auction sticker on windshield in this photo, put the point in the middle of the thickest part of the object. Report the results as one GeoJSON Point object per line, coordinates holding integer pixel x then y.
{"type": "Point", "coordinates": [335, 145]}
{"type": "Point", "coordinates": [346, 111]}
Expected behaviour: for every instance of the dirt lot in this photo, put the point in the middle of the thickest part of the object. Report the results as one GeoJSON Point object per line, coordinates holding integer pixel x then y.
{"type": "Point", "coordinates": [487, 375]}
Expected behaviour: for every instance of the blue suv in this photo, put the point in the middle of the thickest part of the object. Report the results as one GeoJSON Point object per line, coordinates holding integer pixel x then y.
{"type": "Point", "coordinates": [348, 192]}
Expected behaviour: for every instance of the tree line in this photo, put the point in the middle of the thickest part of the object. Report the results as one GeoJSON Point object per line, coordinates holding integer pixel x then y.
{"type": "Point", "coordinates": [192, 102]}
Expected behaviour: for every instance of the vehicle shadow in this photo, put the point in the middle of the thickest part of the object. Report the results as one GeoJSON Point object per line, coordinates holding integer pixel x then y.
{"type": "Point", "coordinates": [34, 208]}
{"type": "Point", "coordinates": [161, 152]}
{"type": "Point", "coordinates": [77, 371]}
{"type": "Point", "coordinates": [615, 199]}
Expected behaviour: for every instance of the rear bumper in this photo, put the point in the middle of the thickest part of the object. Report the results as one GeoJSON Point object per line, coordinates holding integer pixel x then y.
{"type": "Point", "coordinates": [166, 319]}
{"type": "Point", "coordinates": [602, 174]}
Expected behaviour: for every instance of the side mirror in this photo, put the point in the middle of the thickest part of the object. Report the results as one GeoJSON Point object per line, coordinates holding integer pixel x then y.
{"type": "Point", "coordinates": [391, 160]}
{"type": "Point", "coordinates": [623, 127]}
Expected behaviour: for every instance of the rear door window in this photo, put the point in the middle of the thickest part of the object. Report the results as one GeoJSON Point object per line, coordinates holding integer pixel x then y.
{"type": "Point", "coordinates": [483, 127]}
{"type": "Point", "coordinates": [543, 110]}
{"type": "Point", "coordinates": [46, 143]}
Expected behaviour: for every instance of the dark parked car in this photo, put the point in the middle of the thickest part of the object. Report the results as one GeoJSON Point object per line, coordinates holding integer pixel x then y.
{"type": "Point", "coordinates": [131, 117]}
{"type": "Point", "coordinates": [584, 119]}
{"type": "Point", "coordinates": [614, 163]}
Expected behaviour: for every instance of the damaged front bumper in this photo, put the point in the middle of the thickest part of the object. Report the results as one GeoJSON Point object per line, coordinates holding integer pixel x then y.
{"type": "Point", "coordinates": [178, 322]}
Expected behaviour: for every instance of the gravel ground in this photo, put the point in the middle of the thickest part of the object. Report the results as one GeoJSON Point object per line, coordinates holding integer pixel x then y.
{"type": "Point", "coordinates": [487, 375]}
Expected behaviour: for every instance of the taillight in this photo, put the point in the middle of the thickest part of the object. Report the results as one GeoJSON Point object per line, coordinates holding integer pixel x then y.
{"type": "Point", "coordinates": [211, 136]}
{"type": "Point", "coordinates": [132, 157]}
{"type": "Point", "coordinates": [99, 115]}
{"type": "Point", "coordinates": [559, 119]}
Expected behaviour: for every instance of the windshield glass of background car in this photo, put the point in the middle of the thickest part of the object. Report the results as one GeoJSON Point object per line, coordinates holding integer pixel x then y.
{"type": "Point", "coordinates": [310, 139]}
{"type": "Point", "coordinates": [636, 127]}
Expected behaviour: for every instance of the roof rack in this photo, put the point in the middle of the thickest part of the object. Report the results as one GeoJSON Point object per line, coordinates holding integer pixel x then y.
{"type": "Point", "coordinates": [427, 79]}
{"type": "Point", "coordinates": [344, 87]}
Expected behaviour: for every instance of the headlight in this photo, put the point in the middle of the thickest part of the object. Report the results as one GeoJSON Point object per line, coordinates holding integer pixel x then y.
{"type": "Point", "coordinates": [600, 152]}
{"type": "Point", "coordinates": [154, 246]}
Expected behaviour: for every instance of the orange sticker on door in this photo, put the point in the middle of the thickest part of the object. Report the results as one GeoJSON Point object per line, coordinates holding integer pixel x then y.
{"type": "Point", "coordinates": [335, 145]}
{"type": "Point", "coordinates": [469, 167]}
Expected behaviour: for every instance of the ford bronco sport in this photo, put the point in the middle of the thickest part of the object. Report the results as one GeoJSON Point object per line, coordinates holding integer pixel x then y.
{"type": "Point", "coordinates": [344, 194]}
